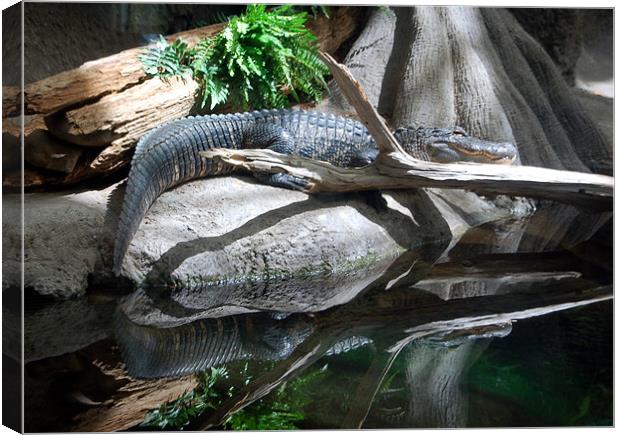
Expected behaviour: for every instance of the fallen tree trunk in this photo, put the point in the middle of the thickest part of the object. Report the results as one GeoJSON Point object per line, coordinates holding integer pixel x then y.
{"type": "Point", "coordinates": [11, 101]}
{"type": "Point", "coordinates": [119, 71]}
{"type": "Point", "coordinates": [40, 148]}
{"type": "Point", "coordinates": [121, 119]}
{"type": "Point", "coordinates": [91, 80]}
{"type": "Point", "coordinates": [110, 103]}
{"type": "Point", "coordinates": [395, 169]}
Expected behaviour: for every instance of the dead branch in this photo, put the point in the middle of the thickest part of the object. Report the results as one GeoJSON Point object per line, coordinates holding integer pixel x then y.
{"type": "Point", "coordinates": [398, 171]}
{"type": "Point", "coordinates": [356, 96]}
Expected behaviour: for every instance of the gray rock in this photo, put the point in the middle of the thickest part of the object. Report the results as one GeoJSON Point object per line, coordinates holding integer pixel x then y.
{"type": "Point", "coordinates": [230, 230]}
{"type": "Point", "coordinates": [281, 250]}
{"type": "Point", "coordinates": [61, 233]}
{"type": "Point", "coordinates": [222, 230]}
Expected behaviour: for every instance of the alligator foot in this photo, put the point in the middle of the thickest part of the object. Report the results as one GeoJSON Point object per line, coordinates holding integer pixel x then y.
{"type": "Point", "coordinates": [283, 180]}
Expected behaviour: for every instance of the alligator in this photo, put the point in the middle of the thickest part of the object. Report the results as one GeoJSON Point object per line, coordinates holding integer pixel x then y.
{"type": "Point", "coordinates": [159, 352]}
{"type": "Point", "coordinates": [151, 352]}
{"type": "Point", "coordinates": [168, 155]}
{"type": "Point", "coordinates": [168, 352]}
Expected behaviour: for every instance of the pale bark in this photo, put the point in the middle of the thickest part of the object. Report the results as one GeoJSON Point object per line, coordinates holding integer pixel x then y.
{"type": "Point", "coordinates": [397, 171]}
{"type": "Point", "coordinates": [356, 96]}
{"type": "Point", "coordinates": [40, 148]}
{"type": "Point", "coordinates": [92, 80]}
{"type": "Point", "coordinates": [131, 402]}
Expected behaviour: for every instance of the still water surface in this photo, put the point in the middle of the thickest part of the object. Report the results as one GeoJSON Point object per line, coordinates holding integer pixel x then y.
{"type": "Point", "coordinates": [511, 326]}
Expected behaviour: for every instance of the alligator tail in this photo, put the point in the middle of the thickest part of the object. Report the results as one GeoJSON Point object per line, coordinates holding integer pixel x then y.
{"type": "Point", "coordinates": [165, 157]}
{"type": "Point", "coordinates": [150, 352]}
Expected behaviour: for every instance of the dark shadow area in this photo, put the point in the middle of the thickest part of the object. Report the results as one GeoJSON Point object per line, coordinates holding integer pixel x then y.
{"type": "Point", "coordinates": [12, 363]}
{"type": "Point", "coordinates": [111, 27]}
{"type": "Point", "coordinates": [12, 309]}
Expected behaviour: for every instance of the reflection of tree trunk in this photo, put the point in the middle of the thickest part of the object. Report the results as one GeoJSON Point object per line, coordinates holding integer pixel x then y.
{"type": "Point", "coordinates": [435, 375]}
{"type": "Point", "coordinates": [560, 226]}
{"type": "Point", "coordinates": [400, 318]}
{"type": "Point", "coordinates": [503, 238]}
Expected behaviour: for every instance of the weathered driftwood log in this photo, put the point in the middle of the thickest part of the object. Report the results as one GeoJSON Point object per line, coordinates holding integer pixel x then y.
{"type": "Point", "coordinates": [40, 148]}
{"type": "Point", "coordinates": [145, 103]}
{"type": "Point", "coordinates": [92, 80]}
{"type": "Point", "coordinates": [397, 171]}
{"type": "Point", "coordinates": [394, 169]}
{"type": "Point", "coordinates": [131, 402]}
{"type": "Point", "coordinates": [121, 119]}
{"type": "Point", "coordinates": [116, 72]}
{"type": "Point", "coordinates": [11, 101]}
{"type": "Point", "coordinates": [110, 102]}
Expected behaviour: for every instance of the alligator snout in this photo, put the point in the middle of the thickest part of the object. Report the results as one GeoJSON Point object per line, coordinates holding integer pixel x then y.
{"type": "Point", "coordinates": [469, 149]}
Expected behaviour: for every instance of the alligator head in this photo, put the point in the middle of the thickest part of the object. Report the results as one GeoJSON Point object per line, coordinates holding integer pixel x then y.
{"type": "Point", "coordinates": [452, 145]}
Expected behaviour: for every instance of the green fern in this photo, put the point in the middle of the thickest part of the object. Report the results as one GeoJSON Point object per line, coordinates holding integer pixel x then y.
{"type": "Point", "coordinates": [177, 414]}
{"type": "Point", "coordinates": [166, 60]}
{"type": "Point", "coordinates": [257, 61]}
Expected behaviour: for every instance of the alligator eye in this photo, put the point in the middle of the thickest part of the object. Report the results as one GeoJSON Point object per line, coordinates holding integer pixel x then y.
{"type": "Point", "coordinates": [459, 132]}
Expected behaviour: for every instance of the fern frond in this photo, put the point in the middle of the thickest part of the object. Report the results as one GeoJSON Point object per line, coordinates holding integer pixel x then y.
{"type": "Point", "coordinates": [257, 61]}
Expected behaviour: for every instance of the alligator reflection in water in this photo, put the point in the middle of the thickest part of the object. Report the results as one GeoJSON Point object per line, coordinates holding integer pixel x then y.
{"type": "Point", "coordinates": [444, 316]}
{"type": "Point", "coordinates": [165, 343]}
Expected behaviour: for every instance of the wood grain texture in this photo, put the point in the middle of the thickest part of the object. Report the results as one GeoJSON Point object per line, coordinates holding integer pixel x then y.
{"type": "Point", "coordinates": [91, 80]}
{"type": "Point", "coordinates": [399, 171]}
{"type": "Point", "coordinates": [129, 405]}
{"type": "Point", "coordinates": [109, 103]}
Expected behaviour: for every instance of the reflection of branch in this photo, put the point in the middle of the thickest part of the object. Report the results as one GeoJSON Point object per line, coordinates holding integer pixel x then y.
{"type": "Point", "coordinates": [368, 387]}
{"type": "Point", "coordinates": [505, 268]}
{"type": "Point", "coordinates": [501, 265]}
{"type": "Point", "coordinates": [521, 309]}
{"type": "Point", "coordinates": [395, 169]}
